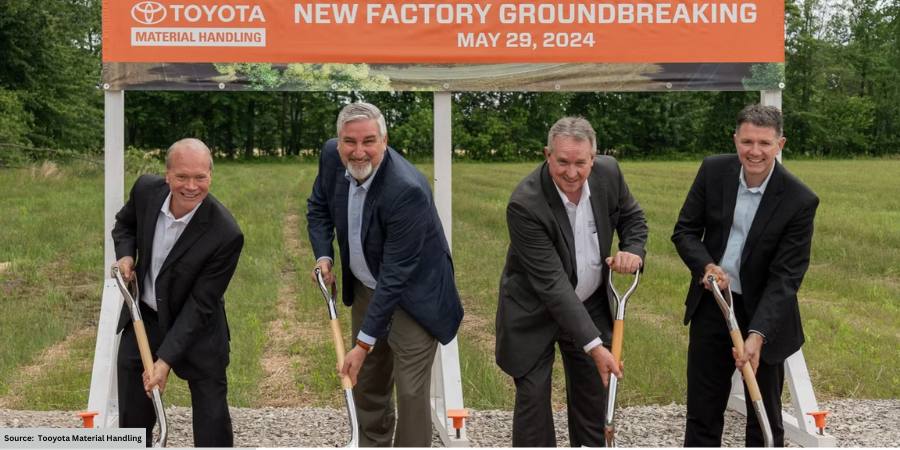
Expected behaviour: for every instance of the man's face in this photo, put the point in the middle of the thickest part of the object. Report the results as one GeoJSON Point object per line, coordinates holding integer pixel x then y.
{"type": "Point", "coordinates": [570, 163]}
{"type": "Point", "coordinates": [361, 148]}
{"type": "Point", "coordinates": [189, 177]}
{"type": "Point", "coordinates": [757, 148]}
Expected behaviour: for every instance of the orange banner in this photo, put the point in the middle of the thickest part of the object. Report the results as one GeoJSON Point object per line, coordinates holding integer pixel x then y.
{"type": "Point", "coordinates": [442, 32]}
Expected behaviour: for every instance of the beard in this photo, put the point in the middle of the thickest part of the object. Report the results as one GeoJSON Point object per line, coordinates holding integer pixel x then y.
{"type": "Point", "coordinates": [360, 171]}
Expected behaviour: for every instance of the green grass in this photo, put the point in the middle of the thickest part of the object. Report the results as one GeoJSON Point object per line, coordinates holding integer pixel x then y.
{"type": "Point", "coordinates": [52, 236]}
{"type": "Point", "coordinates": [49, 234]}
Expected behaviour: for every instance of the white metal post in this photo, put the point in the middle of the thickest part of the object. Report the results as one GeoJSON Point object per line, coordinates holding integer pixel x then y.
{"type": "Point", "coordinates": [446, 380]}
{"type": "Point", "coordinates": [771, 98]}
{"type": "Point", "coordinates": [113, 169]}
{"type": "Point", "coordinates": [103, 397]}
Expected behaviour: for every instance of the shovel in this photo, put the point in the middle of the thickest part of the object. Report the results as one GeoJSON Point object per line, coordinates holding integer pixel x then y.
{"type": "Point", "coordinates": [726, 304]}
{"type": "Point", "coordinates": [339, 351]}
{"type": "Point", "coordinates": [618, 334]}
{"type": "Point", "coordinates": [129, 293]}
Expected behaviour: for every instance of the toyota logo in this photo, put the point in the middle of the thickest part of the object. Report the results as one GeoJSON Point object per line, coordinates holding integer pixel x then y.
{"type": "Point", "coordinates": [148, 13]}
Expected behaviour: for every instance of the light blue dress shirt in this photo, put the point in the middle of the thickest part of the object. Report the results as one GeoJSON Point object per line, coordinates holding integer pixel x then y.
{"type": "Point", "coordinates": [745, 207]}
{"type": "Point", "coordinates": [355, 203]}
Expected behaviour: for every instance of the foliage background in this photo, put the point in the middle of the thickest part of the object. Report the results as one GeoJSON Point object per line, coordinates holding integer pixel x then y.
{"type": "Point", "coordinates": [840, 100]}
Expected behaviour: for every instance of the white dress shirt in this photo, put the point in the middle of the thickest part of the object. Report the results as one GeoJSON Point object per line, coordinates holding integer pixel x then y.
{"type": "Point", "coordinates": [168, 230]}
{"type": "Point", "coordinates": [588, 263]}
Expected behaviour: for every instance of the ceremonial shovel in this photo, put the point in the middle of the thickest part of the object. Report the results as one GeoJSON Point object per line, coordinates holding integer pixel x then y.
{"type": "Point", "coordinates": [339, 351]}
{"type": "Point", "coordinates": [726, 304]}
{"type": "Point", "coordinates": [129, 293]}
{"type": "Point", "coordinates": [618, 334]}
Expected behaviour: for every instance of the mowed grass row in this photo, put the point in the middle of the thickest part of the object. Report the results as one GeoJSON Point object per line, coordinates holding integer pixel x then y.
{"type": "Point", "coordinates": [52, 236]}
{"type": "Point", "coordinates": [50, 287]}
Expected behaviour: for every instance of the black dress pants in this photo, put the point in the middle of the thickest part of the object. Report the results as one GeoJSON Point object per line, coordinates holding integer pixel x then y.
{"type": "Point", "coordinates": [211, 418]}
{"type": "Point", "coordinates": [709, 371]}
{"type": "Point", "coordinates": [585, 394]}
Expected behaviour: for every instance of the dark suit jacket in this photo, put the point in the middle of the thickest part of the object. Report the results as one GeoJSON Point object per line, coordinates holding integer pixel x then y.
{"type": "Point", "coordinates": [776, 252]}
{"type": "Point", "coordinates": [537, 288]}
{"type": "Point", "coordinates": [191, 284]}
{"type": "Point", "coordinates": [402, 239]}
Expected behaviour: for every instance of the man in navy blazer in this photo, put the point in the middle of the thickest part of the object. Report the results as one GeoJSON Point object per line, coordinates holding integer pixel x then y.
{"type": "Point", "coordinates": [397, 274]}
{"type": "Point", "coordinates": [748, 221]}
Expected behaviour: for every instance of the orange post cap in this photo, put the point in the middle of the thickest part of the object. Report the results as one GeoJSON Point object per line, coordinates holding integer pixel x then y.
{"type": "Point", "coordinates": [458, 416]}
{"type": "Point", "coordinates": [819, 416]}
{"type": "Point", "coordinates": [87, 418]}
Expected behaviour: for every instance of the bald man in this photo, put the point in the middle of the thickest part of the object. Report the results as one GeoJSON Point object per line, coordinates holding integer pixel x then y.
{"type": "Point", "coordinates": [183, 246]}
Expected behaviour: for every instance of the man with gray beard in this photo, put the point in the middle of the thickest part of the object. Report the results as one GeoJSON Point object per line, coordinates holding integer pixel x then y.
{"type": "Point", "coordinates": [397, 274]}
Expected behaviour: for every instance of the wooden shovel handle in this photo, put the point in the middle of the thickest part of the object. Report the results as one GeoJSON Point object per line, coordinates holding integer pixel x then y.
{"type": "Point", "coordinates": [747, 370]}
{"type": "Point", "coordinates": [339, 351]}
{"type": "Point", "coordinates": [618, 335]}
{"type": "Point", "coordinates": [143, 345]}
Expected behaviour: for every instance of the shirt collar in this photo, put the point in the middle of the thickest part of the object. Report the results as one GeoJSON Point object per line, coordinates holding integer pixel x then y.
{"type": "Point", "coordinates": [165, 209]}
{"type": "Point", "coordinates": [761, 189]}
{"type": "Point", "coordinates": [365, 185]}
{"type": "Point", "coordinates": [585, 193]}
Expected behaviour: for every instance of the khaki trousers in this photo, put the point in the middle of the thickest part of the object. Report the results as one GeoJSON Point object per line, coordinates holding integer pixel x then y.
{"type": "Point", "coordinates": [402, 359]}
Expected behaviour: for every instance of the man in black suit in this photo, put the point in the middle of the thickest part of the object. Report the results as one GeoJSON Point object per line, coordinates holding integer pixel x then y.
{"type": "Point", "coordinates": [397, 274]}
{"type": "Point", "coordinates": [187, 246]}
{"type": "Point", "coordinates": [749, 222]}
{"type": "Point", "coordinates": [553, 289]}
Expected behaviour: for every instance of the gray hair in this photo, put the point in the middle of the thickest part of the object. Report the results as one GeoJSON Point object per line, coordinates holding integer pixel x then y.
{"type": "Point", "coordinates": [188, 144]}
{"type": "Point", "coordinates": [574, 127]}
{"type": "Point", "coordinates": [361, 111]}
{"type": "Point", "coordinates": [761, 116]}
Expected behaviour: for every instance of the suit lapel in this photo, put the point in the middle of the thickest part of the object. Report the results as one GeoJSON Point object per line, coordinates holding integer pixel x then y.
{"type": "Point", "coordinates": [559, 213]}
{"type": "Point", "coordinates": [197, 226]}
{"type": "Point", "coordinates": [150, 217]}
{"type": "Point", "coordinates": [373, 194]}
{"type": "Point", "coordinates": [730, 182]}
{"type": "Point", "coordinates": [767, 207]}
{"type": "Point", "coordinates": [599, 207]}
{"type": "Point", "coordinates": [341, 200]}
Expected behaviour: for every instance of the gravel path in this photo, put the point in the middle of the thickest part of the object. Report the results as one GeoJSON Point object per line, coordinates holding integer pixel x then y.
{"type": "Point", "coordinates": [854, 423]}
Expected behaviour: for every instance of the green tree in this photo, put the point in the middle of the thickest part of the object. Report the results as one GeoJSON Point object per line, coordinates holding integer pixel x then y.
{"type": "Point", "coordinates": [51, 60]}
{"type": "Point", "coordinates": [804, 74]}
{"type": "Point", "coordinates": [410, 121]}
{"type": "Point", "coordinates": [14, 120]}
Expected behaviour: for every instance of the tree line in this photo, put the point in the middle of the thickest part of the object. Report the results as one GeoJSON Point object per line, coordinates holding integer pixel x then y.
{"type": "Point", "coordinates": [841, 97]}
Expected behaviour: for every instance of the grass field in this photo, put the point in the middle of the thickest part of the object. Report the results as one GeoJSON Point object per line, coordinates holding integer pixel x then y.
{"type": "Point", "coordinates": [51, 278]}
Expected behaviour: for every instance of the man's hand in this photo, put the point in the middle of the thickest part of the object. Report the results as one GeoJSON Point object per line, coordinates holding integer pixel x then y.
{"type": "Point", "coordinates": [605, 363]}
{"type": "Point", "coordinates": [752, 349]}
{"type": "Point", "coordinates": [158, 378]}
{"type": "Point", "coordinates": [325, 266]}
{"type": "Point", "coordinates": [126, 267]}
{"type": "Point", "coordinates": [353, 362]}
{"type": "Point", "coordinates": [721, 277]}
{"type": "Point", "coordinates": [624, 262]}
